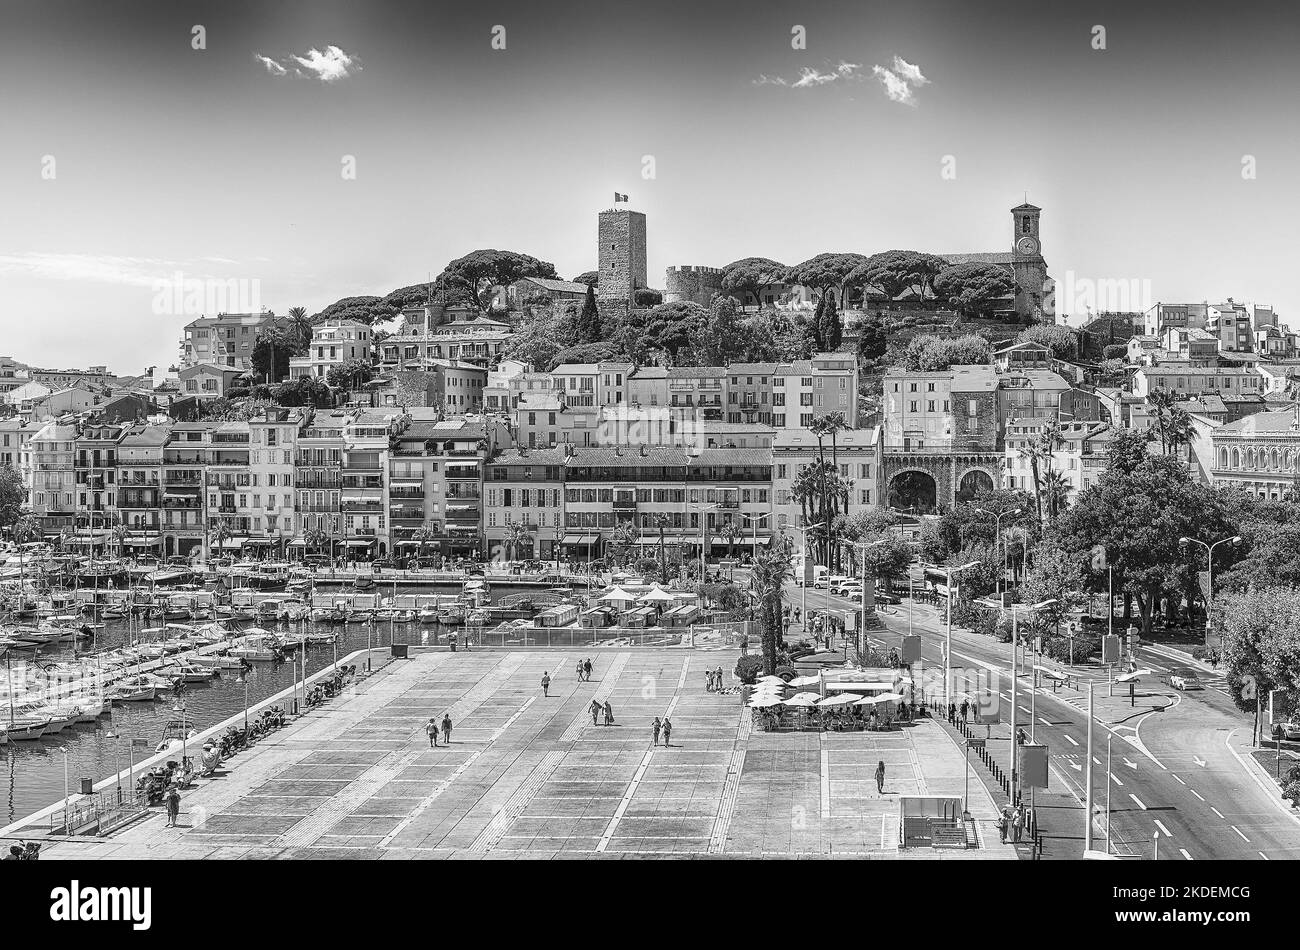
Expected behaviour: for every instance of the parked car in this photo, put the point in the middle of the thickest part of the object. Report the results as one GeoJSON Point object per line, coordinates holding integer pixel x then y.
{"type": "Point", "coordinates": [835, 583]}
{"type": "Point", "coordinates": [884, 597]}
{"type": "Point", "coordinates": [851, 591]}
{"type": "Point", "coordinates": [1290, 730]}
{"type": "Point", "coordinates": [1184, 679]}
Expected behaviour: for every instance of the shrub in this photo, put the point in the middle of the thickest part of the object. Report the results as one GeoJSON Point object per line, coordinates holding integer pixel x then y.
{"type": "Point", "coordinates": [748, 668]}
{"type": "Point", "coordinates": [647, 298]}
{"type": "Point", "coordinates": [1292, 793]}
{"type": "Point", "coordinates": [1114, 351]}
{"type": "Point", "coordinates": [1058, 648]}
{"type": "Point", "coordinates": [1206, 654]}
{"type": "Point", "coordinates": [787, 673]}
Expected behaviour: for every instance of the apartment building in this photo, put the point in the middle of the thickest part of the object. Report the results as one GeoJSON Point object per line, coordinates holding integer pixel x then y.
{"type": "Point", "coordinates": [318, 478]}
{"type": "Point", "coordinates": [805, 389]}
{"type": "Point", "coordinates": [140, 486]}
{"type": "Point", "coordinates": [524, 486]}
{"type": "Point", "coordinates": [95, 471]}
{"type": "Point", "coordinates": [749, 392]}
{"type": "Point", "coordinates": [1193, 380]}
{"type": "Point", "coordinates": [52, 451]}
{"type": "Point", "coordinates": [224, 340]}
{"type": "Point", "coordinates": [184, 511]}
{"type": "Point", "coordinates": [333, 343]}
{"type": "Point", "coordinates": [857, 453]}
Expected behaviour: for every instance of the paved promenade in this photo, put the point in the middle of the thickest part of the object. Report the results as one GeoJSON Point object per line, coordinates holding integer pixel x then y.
{"type": "Point", "coordinates": [528, 776]}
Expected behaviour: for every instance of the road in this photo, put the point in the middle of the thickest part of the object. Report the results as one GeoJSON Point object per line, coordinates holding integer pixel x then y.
{"type": "Point", "coordinates": [1172, 772]}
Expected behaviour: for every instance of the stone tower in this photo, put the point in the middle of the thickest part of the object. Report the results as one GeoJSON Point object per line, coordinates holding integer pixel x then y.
{"type": "Point", "coordinates": [1027, 264]}
{"type": "Point", "coordinates": [621, 253]}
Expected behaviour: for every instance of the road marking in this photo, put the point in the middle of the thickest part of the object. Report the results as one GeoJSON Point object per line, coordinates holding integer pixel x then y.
{"type": "Point", "coordinates": [1096, 761]}
{"type": "Point", "coordinates": [1076, 766]}
{"type": "Point", "coordinates": [1238, 831]}
{"type": "Point", "coordinates": [1183, 852]}
{"type": "Point", "coordinates": [627, 800]}
{"type": "Point", "coordinates": [826, 783]}
{"type": "Point", "coordinates": [1161, 825]}
{"type": "Point", "coordinates": [1005, 696]}
{"type": "Point", "coordinates": [1199, 761]}
{"type": "Point", "coordinates": [1132, 765]}
{"type": "Point", "coordinates": [1179, 780]}
{"type": "Point", "coordinates": [1217, 812]}
{"type": "Point", "coordinates": [1116, 779]}
{"type": "Point", "coordinates": [1264, 856]}
{"type": "Point", "coordinates": [1070, 740]}
{"type": "Point", "coordinates": [1196, 793]}
{"type": "Point", "coordinates": [1138, 800]}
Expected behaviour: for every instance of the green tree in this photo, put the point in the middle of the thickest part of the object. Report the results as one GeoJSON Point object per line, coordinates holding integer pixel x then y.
{"type": "Point", "coordinates": [872, 340]}
{"type": "Point", "coordinates": [480, 271]}
{"type": "Point", "coordinates": [1054, 574]}
{"type": "Point", "coordinates": [1170, 423]}
{"type": "Point", "coordinates": [271, 351]}
{"type": "Point", "coordinates": [751, 276]}
{"type": "Point", "coordinates": [894, 272]}
{"type": "Point", "coordinates": [1062, 343]}
{"type": "Point", "coordinates": [831, 326]}
{"type": "Point", "coordinates": [771, 572]}
{"type": "Point", "coordinates": [13, 496]}
{"type": "Point", "coordinates": [973, 289]}
{"type": "Point", "coordinates": [1260, 643]}
{"type": "Point", "coordinates": [367, 309]}
{"type": "Point", "coordinates": [670, 327]}
{"type": "Point", "coordinates": [825, 271]}
{"type": "Point", "coordinates": [350, 375]}
{"type": "Point", "coordinates": [589, 277]}
{"type": "Point", "coordinates": [589, 328]}
{"type": "Point", "coordinates": [540, 335]}
{"type": "Point", "coordinates": [721, 340]}
{"type": "Point", "coordinates": [928, 353]}
{"type": "Point", "coordinates": [661, 522]}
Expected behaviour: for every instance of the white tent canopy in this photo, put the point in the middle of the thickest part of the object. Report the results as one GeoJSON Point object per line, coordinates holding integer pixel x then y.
{"type": "Point", "coordinates": [617, 593]}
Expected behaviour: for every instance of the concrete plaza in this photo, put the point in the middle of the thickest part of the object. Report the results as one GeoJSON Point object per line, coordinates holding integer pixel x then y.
{"type": "Point", "coordinates": [528, 776]}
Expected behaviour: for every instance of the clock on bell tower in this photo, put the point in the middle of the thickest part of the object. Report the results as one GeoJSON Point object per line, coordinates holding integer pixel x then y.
{"type": "Point", "coordinates": [1024, 236]}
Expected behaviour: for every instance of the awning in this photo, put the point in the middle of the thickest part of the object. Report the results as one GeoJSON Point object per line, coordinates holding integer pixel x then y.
{"type": "Point", "coordinates": [146, 542]}
{"type": "Point", "coordinates": [409, 544]}
{"type": "Point", "coordinates": [262, 541]}
{"type": "Point", "coordinates": [354, 543]}
{"type": "Point", "coordinates": [297, 543]}
{"type": "Point", "coordinates": [231, 544]}
{"type": "Point", "coordinates": [579, 539]}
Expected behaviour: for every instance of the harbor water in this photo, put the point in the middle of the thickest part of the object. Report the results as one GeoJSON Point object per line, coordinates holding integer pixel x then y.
{"type": "Point", "coordinates": [32, 773]}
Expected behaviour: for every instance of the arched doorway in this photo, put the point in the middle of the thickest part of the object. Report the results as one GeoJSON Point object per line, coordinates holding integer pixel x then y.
{"type": "Point", "coordinates": [972, 483]}
{"type": "Point", "coordinates": [913, 490]}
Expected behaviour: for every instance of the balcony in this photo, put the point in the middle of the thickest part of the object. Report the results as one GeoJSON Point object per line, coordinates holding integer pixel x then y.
{"type": "Point", "coordinates": [362, 506]}
{"type": "Point", "coordinates": [406, 493]}
{"type": "Point", "coordinates": [177, 504]}
{"type": "Point", "coordinates": [188, 480]}
{"type": "Point", "coordinates": [625, 504]}
{"type": "Point", "coordinates": [403, 515]}
{"type": "Point", "coordinates": [227, 509]}
{"type": "Point", "coordinates": [463, 514]}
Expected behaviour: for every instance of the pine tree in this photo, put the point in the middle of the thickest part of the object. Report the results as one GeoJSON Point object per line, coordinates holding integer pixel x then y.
{"type": "Point", "coordinates": [589, 329]}
{"type": "Point", "coordinates": [817, 321]}
{"type": "Point", "coordinates": [830, 328]}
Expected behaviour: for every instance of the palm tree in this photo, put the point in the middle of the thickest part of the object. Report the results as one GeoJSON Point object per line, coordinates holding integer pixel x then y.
{"type": "Point", "coordinates": [820, 427]}
{"type": "Point", "coordinates": [120, 534]}
{"type": "Point", "coordinates": [662, 521]}
{"type": "Point", "coordinates": [1056, 489]}
{"type": "Point", "coordinates": [1037, 451]}
{"type": "Point", "coordinates": [731, 533]}
{"type": "Point", "coordinates": [771, 572]}
{"type": "Point", "coordinates": [517, 535]}
{"type": "Point", "coordinates": [220, 534]}
{"type": "Point", "coordinates": [26, 529]}
{"type": "Point", "coordinates": [300, 326]}
{"type": "Point", "coordinates": [834, 422]}
{"type": "Point", "coordinates": [623, 537]}
{"type": "Point", "coordinates": [804, 488]}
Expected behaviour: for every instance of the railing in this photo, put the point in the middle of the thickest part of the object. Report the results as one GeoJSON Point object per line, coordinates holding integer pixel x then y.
{"type": "Point", "coordinates": [102, 812]}
{"type": "Point", "coordinates": [361, 506]}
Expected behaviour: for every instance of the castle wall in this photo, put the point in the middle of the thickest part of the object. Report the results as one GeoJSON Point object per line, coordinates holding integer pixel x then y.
{"type": "Point", "coordinates": [621, 244]}
{"type": "Point", "coordinates": [692, 284]}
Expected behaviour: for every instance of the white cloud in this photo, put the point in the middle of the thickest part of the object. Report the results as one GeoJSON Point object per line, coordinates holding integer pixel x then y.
{"type": "Point", "coordinates": [329, 66]}
{"type": "Point", "coordinates": [272, 67]}
{"type": "Point", "coordinates": [897, 89]}
{"type": "Point", "coordinates": [810, 76]}
{"type": "Point", "coordinates": [101, 269]}
{"type": "Point", "coordinates": [900, 80]}
{"type": "Point", "coordinates": [911, 74]}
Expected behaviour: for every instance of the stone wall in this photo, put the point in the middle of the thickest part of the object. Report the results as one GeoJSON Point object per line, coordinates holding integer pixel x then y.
{"type": "Point", "coordinates": [416, 388]}
{"type": "Point", "coordinates": [621, 245]}
{"type": "Point", "coordinates": [692, 284]}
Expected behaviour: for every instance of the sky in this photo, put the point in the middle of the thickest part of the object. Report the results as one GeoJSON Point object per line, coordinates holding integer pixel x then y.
{"type": "Point", "coordinates": [128, 157]}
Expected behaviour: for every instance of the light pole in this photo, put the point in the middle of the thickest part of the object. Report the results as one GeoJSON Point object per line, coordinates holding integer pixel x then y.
{"type": "Point", "coordinates": [702, 508]}
{"type": "Point", "coordinates": [862, 605]}
{"type": "Point", "coordinates": [947, 638]}
{"type": "Point", "coordinates": [997, 518]}
{"type": "Point", "coordinates": [1209, 567]}
{"type": "Point", "coordinates": [756, 519]}
{"type": "Point", "coordinates": [1015, 677]}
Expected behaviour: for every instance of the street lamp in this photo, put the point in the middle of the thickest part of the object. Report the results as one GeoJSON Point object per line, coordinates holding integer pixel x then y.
{"type": "Point", "coordinates": [862, 605]}
{"type": "Point", "coordinates": [1015, 677]}
{"type": "Point", "coordinates": [756, 518]}
{"type": "Point", "coordinates": [1209, 566]}
{"type": "Point", "coordinates": [703, 520]}
{"type": "Point", "coordinates": [997, 518]}
{"type": "Point", "coordinates": [947, 639]}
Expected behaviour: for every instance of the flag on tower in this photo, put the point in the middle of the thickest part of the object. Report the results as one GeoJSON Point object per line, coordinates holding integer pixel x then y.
{"type": "Point", "coordinates": [618, 197]}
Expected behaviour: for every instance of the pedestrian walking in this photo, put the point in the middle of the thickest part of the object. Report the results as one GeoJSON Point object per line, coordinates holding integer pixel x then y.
{"type": "Point", "coordinates": [586, 669]}
{"type": "Point", "coordinates": [1004, 823]}
{"type": "Point", "coordinates": [965, 709]}
{"type": "Point", "coordinates": [546, 683]}
{"type": "Point", "coordinates": [431, 728]}
{"type": "Point", "coordinates": [595, 710]}
{"type": "Point", "coordinates": [717, 679]}
{"type": "Point", "coordinates": [446, 728]}
{"type": "Point", "coordinates": [1017, 823]}
{"type": "Point", "coordinates": [609, 714]}
{"type": "Point", "coordinates": [173, 806]}
{"type": "Point", "coordinates": [744, 644]}
{"type": "Point", "coordinates": [668, 731]}
{"type": "Point", "coordinates": [579, 670]}
{"type": "Point", "coordinates": [708, 681]}
{"type": "Point", "coordinates": [796, 615]}
{"type": "Point", "coordinates": [655, 727]}
{"type": "Point", "coordinates": [952, 713]}
{"type": "Point", "coordinates": [880, 775]}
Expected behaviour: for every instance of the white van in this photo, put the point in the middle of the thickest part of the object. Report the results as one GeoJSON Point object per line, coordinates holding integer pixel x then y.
{"type": "Point", "coordinates": [820, 573]}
